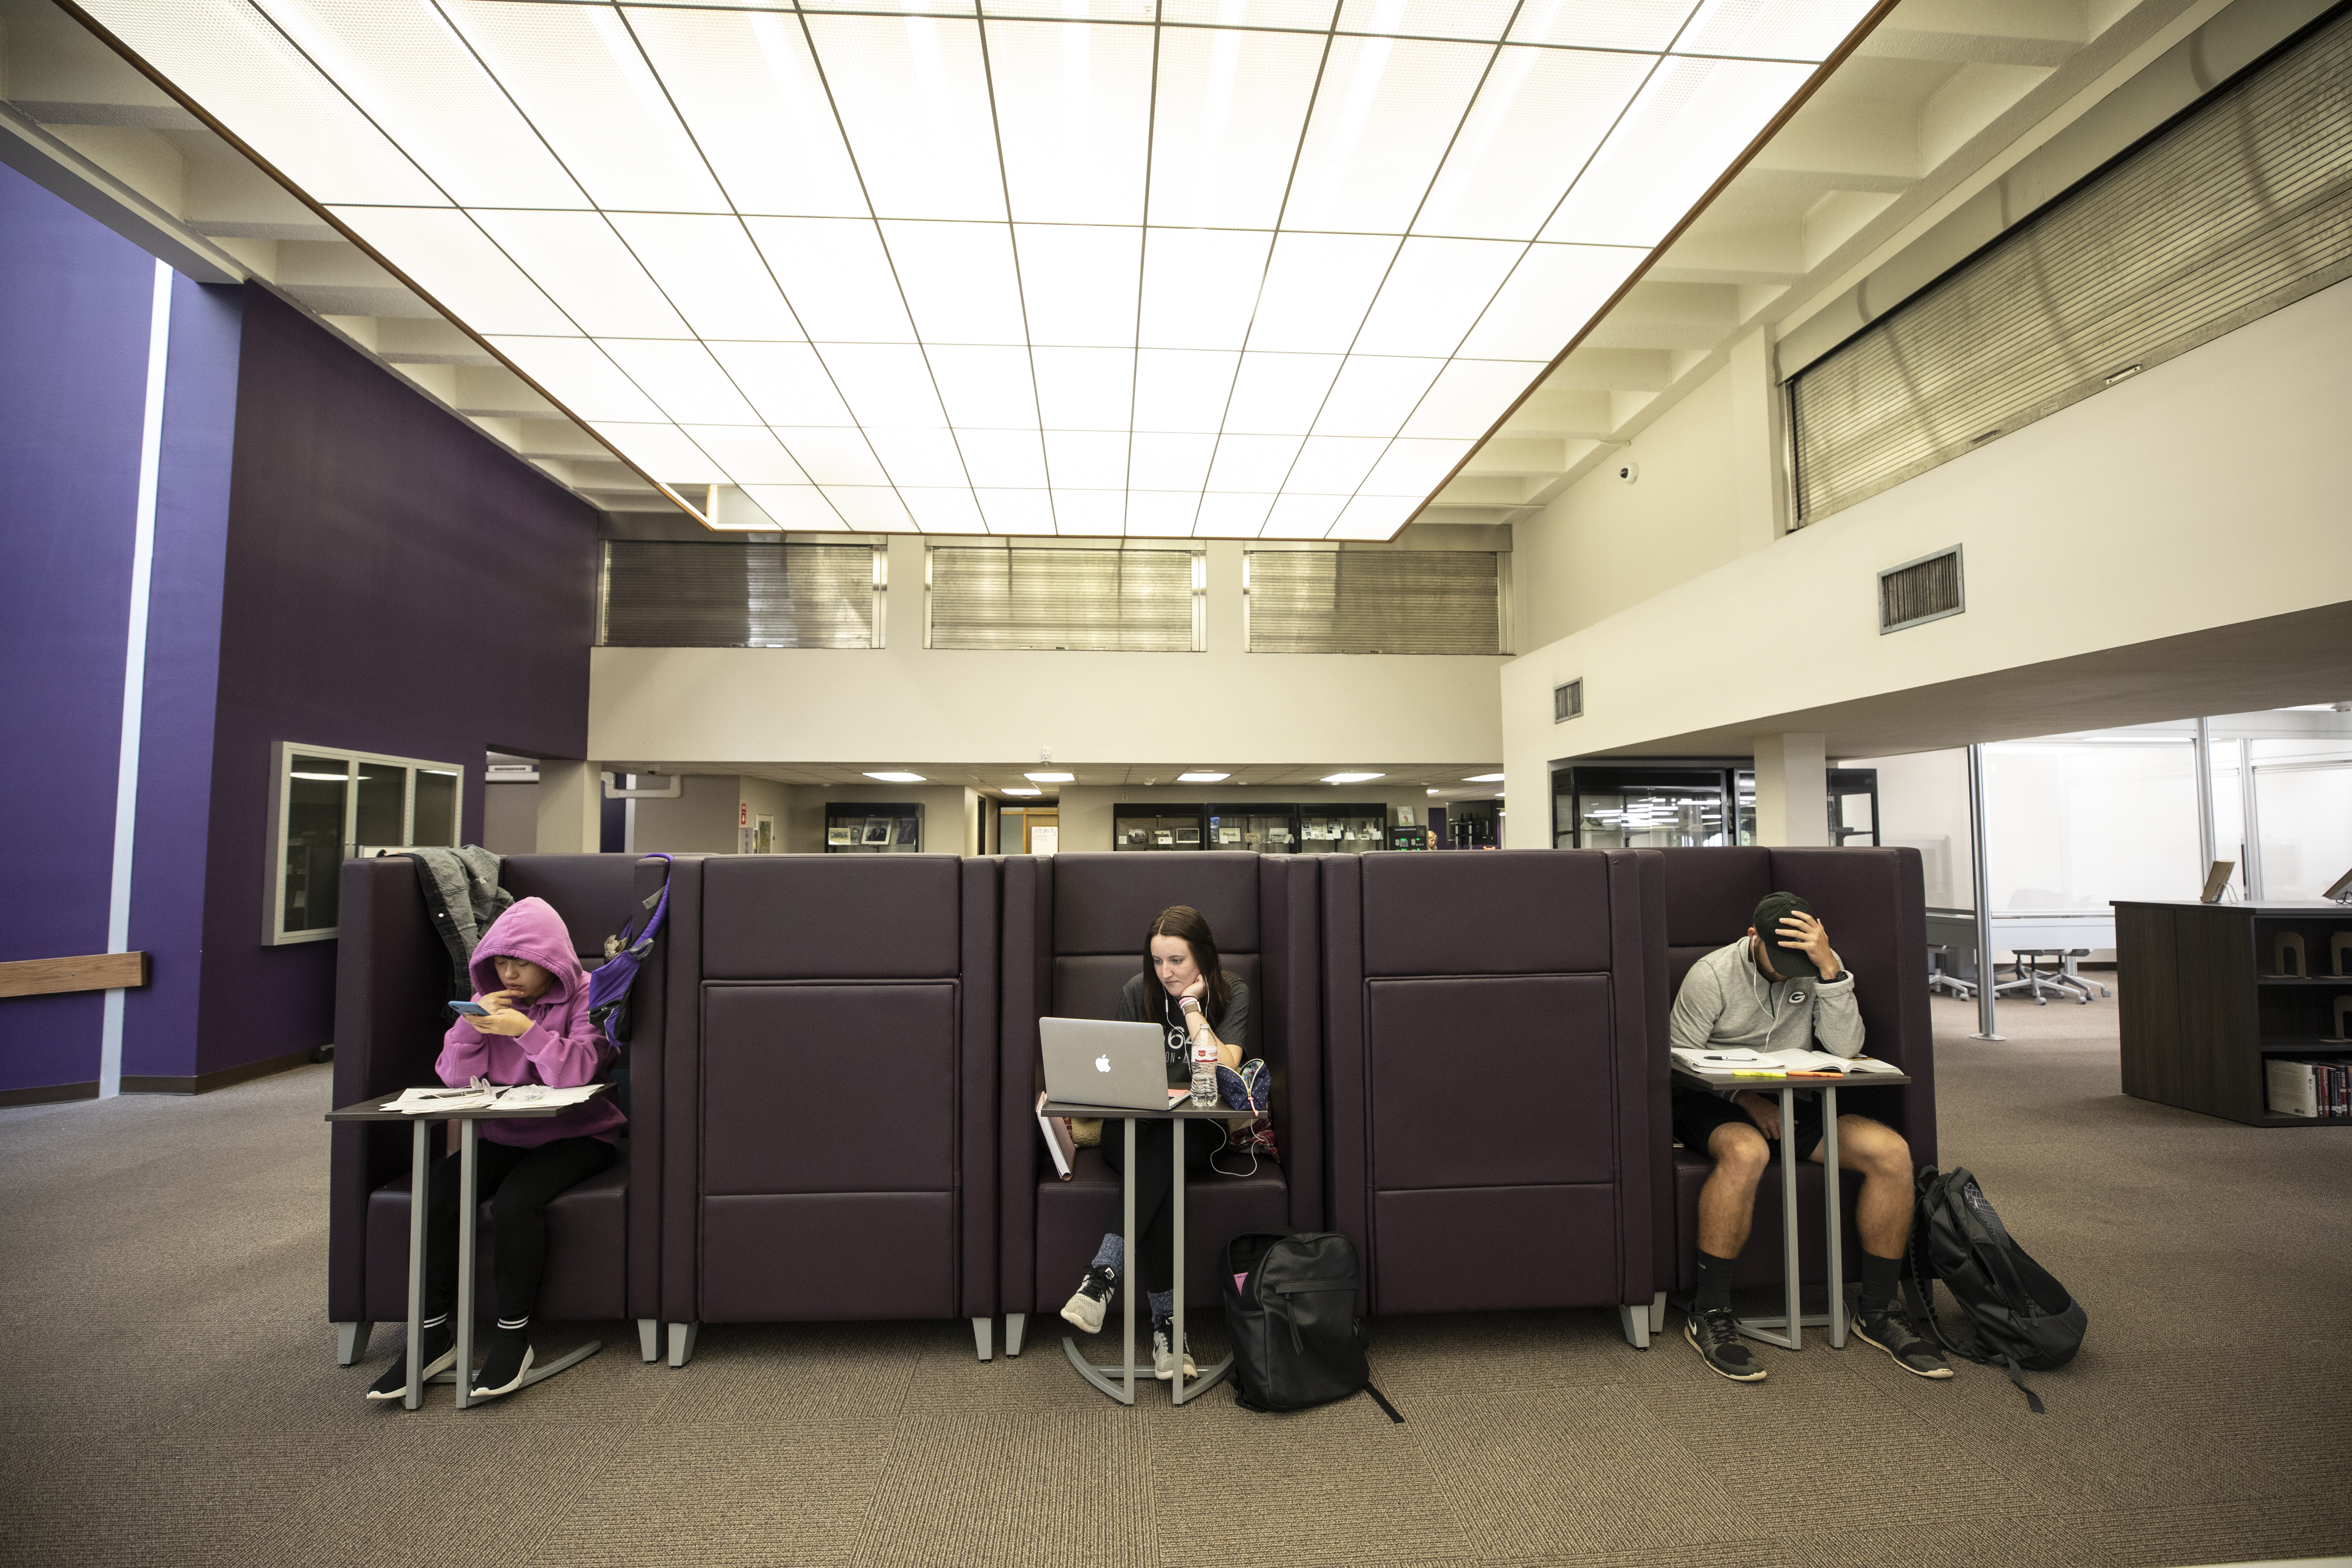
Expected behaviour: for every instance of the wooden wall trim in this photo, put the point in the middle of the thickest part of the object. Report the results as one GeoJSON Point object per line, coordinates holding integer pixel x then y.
{"type": "Point", "coordinates": [92, 972]}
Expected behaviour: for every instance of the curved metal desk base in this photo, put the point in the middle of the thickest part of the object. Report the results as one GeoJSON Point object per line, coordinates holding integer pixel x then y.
{"type": "Point", "coordinates": [1103, 1377]}
{"type": "Point", "coordinates": [538, 1373]}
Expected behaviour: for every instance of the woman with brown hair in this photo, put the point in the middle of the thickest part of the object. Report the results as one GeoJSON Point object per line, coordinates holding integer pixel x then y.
{"type": "Point", "coordinates": [1183, 989]}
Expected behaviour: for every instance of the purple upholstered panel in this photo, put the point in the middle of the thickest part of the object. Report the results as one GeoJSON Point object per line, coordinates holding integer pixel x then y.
{"type": "Point", "coordinates": [593, 894]}
{"type": "Point", "coordinates": [1513, 911]}
{"type": "Point", "coordinates": [587, 1250]}
{"type": "Point", "coordinates": [1490, 1081]}
{"type": "Point", "coordinates": [1711, 894]}
{"type": "Point", "coordinates": [1104, 904]}
{"type": "Point", "coordinates": [1073, 1217]}
{"type": "Point", "coordinates": [681, 1088]}
{"type": "Point", "coordinates": [1347, 1124]}
{"type": "Point", "coordinates": [884, 1053]}
{"type": "Point", "coordinates": [831, 917]}
{"type": "Point", "coordinates": [1488, 1249]}
{"type": "Point", "coordinates": [1025, 995]}
{"type": "Point", "coordinates": [1288, 1022]}
{"type": "Point", "coordinates": [795, 1258]}
{"type": "Point", "coordinates": [1087, 985]}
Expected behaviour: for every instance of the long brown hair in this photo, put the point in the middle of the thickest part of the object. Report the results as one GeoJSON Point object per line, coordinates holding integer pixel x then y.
{"type": "Point", "coordinates": [1185, 924]}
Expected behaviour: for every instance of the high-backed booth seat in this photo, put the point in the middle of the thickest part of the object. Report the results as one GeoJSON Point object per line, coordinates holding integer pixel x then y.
{"type": "Point", "coordinates": [1491, 1082]}
{"type": "Point", "coordinates": [392, 978]}
{"type": "Point", "coordinates": [831, 1124]}
{"type": "Point", "coordinates": [1074, 934]}
{"type": "Point", "coordinates": [1873, 903]}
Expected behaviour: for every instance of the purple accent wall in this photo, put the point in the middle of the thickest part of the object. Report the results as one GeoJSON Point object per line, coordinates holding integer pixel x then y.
{"type": "Point", "coordinates": [184, 635]}
{"type": "Point", "coordinates": [74, 307]}
{"type": "Point", "coordinates": [395, 583]}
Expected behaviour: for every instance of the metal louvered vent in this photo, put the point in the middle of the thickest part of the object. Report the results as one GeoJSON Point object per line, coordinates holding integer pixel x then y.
{"type": "Point", "coordinates": [663, 593]}
{"type": "Point", "coordinates": [2241, 206]}
{"type": "Point", "coordinates": [1926, 589]}
{"type": "Point", "coordinates": [1374, 601]}
{"type": "Point", "coordinates": [1568, 701]}
{"type": "Point", "coordinates": [1100, 601]}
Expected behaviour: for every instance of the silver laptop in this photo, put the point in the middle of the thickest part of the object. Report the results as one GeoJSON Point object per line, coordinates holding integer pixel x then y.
{"type": "Point", "coordinates": [1091, 1061]}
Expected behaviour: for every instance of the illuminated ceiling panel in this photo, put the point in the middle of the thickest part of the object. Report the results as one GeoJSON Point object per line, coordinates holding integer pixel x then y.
{"type": "Point", "coordinates": [1158, 268]}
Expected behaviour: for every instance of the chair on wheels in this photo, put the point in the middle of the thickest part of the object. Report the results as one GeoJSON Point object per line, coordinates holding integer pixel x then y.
{"type": "Point", "coordinates": [1939, 976]}
{"type": "Point", "coordinates": [2051, 969]}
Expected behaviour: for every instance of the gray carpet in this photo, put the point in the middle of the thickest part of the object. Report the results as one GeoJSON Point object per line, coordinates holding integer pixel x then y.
{"type": "Point", "coordinates": [170, 1395]}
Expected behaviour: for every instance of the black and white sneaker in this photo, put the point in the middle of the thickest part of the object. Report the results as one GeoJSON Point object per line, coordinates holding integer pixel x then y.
{"type": "Point", "coordinates": [1084, 1309]}
{"type": "Point", "coordinates": [1890, 1332]}
{"type": "Point", "coordinates": [1163, 1352]}
{"type": "Point", "coordinates": [440, 1355]}
{"type": "Point", "coordinates": [503, 1368]}
{"type": "Point", "coordinates": [1715, 1335]}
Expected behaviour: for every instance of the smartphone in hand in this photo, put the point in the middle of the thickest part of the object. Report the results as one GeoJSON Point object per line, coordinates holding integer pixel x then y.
{"type": "Point", "coordinates": [470, 1009]}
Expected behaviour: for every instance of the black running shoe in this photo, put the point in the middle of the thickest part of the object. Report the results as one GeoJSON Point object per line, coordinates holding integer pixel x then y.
{"type": "Point", "coordinates": [502, 1369]}
{"type": "Point", "coordinates": [1715, 1335]}
{"type": "Point", "coordinates": [440, 1355]}
{"type": "Point", "coordinates": [1084, 1309]}
{"type": "Point", "coordinates": [1890, 1332]}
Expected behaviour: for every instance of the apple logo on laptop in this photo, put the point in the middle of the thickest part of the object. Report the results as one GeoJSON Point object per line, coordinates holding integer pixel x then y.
{"type": "Point", "coordinates": [1102, 1063]}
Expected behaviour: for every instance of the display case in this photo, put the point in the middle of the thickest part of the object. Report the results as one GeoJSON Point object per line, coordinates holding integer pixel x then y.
{"type": "Point", "coordinates": [873, 827]}
{"type": "Point", "coordinates": [1408, 837]}
{"type": "Point", "coordinates": [1156, 827]}
{"type": "Point", "coordinates": [1261, 829]}
{"type": "Point", "coordinates": [1342, 829]}
{"type": "Point", "coordinates": [1473, 823]}
{"type": "Point", "coordinates": [1702, 803]}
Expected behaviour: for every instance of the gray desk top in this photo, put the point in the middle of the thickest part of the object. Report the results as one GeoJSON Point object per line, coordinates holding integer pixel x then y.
{"type": "Point", "coordinates": [371, 1110]}
{"type": "Point", "coordinates": [1842, 1080]}
{"type": "Point", "coordinates": [1180, 1110]}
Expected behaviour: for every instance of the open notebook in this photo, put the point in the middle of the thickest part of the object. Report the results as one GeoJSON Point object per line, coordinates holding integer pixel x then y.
{"type": "Point", "coordinates": [1739, 1061]}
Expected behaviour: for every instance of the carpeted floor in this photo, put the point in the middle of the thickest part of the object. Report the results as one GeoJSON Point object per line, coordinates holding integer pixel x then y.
{"type": "Point", "coordinates": [170, 1395]}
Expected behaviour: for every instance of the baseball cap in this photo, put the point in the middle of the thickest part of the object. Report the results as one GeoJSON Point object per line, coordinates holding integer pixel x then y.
{"type": "Point", "coordinates": [1788, 963]}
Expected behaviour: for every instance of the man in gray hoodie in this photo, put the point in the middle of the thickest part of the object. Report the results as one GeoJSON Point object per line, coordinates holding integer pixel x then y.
{"type": "Point", "coordinates": [1785, 991]}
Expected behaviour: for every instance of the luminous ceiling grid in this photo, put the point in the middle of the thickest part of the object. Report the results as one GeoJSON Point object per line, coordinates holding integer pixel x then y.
{"type": "Point", "coordinates": [748, 307]}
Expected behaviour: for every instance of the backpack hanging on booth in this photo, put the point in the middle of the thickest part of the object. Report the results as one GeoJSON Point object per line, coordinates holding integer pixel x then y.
{"type": "Point", "coordinates": [610, 982]}
{"type": "Point", "coordinates": [1290, 1309]}
{"type": "Point", "coordinates": [2024, 1320]}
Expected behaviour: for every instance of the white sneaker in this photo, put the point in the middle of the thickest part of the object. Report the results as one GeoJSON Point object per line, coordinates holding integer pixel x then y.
{"type": "Point", "coordinates": [1163, 1352]}
{"type": "Point", "coordinates": [1084, 1309]}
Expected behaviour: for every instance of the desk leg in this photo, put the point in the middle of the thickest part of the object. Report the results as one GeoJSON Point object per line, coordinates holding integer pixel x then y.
{"type": "Point", "coordinates": [1792, 1287]}
{"type": "Point", "coordinates": [1124, 1390]}
{"type": "Point", "coordinates": [1179, 1390]}
{"type": "Point", "coordinates": [466, 1260]}
{"type": "Point", "coordinates": [415, 1398]}
{"type": "Point", "coordinates": [1833, 1218]}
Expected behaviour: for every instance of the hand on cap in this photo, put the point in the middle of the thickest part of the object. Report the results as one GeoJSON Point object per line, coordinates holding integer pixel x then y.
{"type": "Point", "coordinates": [1809, 936]}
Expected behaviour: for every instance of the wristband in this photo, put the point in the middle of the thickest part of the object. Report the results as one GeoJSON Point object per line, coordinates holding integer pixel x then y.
{"type": "Point", "coordinates": [1188, 1004]}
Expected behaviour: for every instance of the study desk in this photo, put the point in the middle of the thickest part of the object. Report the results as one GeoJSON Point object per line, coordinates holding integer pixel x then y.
{"type": "Point", "coordinates": [1791, 1322]}
{"type": "Point", "coordinates": [1123, 1390]}
{"type": "Point", "coordinates": [420, 1161]}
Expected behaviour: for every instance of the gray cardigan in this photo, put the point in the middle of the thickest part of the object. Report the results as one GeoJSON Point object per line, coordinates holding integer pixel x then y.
{"type": "Point", "coordinates": [1727, 1001]}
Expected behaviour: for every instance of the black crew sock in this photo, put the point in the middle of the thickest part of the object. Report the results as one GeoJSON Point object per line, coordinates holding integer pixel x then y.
{"type": "Point", "coordinates": [1714, 1283]}
{"type": "Point", "coordinates": [1878, 1278]}
{"type": "Point", "coordinates": [514, 1328]}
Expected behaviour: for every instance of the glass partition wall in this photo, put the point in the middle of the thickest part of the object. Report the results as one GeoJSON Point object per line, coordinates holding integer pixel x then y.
{"type": "Point", "coordinates": [331, 806]}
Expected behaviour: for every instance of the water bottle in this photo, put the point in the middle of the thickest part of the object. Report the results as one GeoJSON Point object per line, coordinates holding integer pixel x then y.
{"type": "Point", "coordinates": [1205, 1073]}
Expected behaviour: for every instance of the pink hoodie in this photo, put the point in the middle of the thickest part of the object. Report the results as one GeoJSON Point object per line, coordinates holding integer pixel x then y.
{"type": "Point", "coordinates": [561, 1049]}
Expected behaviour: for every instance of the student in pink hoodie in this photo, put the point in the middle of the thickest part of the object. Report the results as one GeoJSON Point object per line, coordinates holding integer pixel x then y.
{"type": "Point", "coordinates": [537, 1031]}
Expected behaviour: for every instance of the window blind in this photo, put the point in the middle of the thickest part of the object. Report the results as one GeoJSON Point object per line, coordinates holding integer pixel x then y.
{"type": "Point", "coordinates": [662, 594]}
{"type": "Point", "coordinates": [1368, 601]}
{"type": "Point", "coordinates": [2241, 206]}
{"type": "Point", "coordinates": [1099, 601]}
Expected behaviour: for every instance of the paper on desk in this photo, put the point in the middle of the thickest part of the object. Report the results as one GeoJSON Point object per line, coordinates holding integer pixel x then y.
{"type": "Point", "coordinates": [1821, 1061]}
{"type": "Point", "coordinates": [540, 1094]}
{"type": "Point", "coordinates": [1731, 1058]}
{"type": "Point", "coordinates": [433, 1101]}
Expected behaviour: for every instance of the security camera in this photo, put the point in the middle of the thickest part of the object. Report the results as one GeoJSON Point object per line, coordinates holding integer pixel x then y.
{"type": "Point", "coordinates": [1629, 472]}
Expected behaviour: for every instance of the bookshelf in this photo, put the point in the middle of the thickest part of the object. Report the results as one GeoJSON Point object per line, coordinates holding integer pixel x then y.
{"type": "Point", "coordinates": [2203, 1004]}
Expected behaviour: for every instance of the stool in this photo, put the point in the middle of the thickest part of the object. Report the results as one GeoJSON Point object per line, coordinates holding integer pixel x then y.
{"type": "Point", "coordinates": [2050, 969]}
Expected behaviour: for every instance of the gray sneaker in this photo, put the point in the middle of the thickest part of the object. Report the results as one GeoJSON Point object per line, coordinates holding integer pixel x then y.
{"type": "Point", "coordinates": [1084, 1309]}
{"type": "Point", "coordinates": [1890, 1332]}
{"type": "Point", "coordinates": [1163, 1352]}
{"type": "Point", "coordinates": [1716, 1336]}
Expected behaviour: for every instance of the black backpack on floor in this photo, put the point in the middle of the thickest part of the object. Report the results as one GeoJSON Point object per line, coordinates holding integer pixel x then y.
{"type": "Point", "coordinates": [2024, 1320]}
{"type": "Point", "coordinates": [1291, 1306]}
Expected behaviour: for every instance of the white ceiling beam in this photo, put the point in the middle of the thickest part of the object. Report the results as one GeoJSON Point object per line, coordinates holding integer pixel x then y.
{"type": "Point", "coordinates": [1992, 31]}
{"type": "Point", "coordinates": [41, 157]}
{"type": "Point", "coordinates": [1612, 370]}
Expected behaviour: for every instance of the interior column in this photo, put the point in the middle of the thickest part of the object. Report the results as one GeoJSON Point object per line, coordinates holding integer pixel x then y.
{"type": "Point", "coordinates": [1792, 790]}
{"type": "Point", "coordinates": [570, 807]}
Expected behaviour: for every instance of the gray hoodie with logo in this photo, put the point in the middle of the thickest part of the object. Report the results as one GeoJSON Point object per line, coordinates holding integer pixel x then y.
{"type": "Point", "coordinates": [1727, 1001]}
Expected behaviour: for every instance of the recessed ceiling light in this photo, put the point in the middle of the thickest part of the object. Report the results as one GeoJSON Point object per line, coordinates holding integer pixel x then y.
{"type": "Point", "coordinates": [1051, 778]}
{"type": "Point", "coordinates": [1202, 778]}
{"type": "Point", "coordinates": [1021, 789]}
{"type": "Point", "coordinates": [1484, 778]}
{"type": "Point", "coordinates": [1433, 791]}
{"type": "Point", "coordinates": [897, 778]}
{"type": "Point", "coordinates": [1351, 778]}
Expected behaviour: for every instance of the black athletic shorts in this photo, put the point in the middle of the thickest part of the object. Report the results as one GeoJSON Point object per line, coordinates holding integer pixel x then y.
{"type": "Point", "coordinates": [1698, 1114]}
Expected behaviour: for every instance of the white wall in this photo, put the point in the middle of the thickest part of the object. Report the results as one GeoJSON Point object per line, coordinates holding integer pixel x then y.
{"type": "Point", "coordinates": [2207, 491]}
{"type": "Point", "coordinates": [909, 706]}
{"type": "Point", "coordinates": [700, 820]}
{"type": "Point", "coordinates": [950, 814]}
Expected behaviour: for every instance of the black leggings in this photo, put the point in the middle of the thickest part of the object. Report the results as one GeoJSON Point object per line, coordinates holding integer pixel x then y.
{"type": "Point", "coordinates": [1154, 1179]}
{"type": "Point", "coordinates": [518, 1184]}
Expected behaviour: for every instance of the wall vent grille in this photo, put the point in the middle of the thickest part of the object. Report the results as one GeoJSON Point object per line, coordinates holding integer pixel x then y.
{"type": "Point", "coordinates": [1919, 591]}
{"type": "Point", "coordinates": [2240, 207]}
{"type": "Point", "coordinates": [1568, 701]}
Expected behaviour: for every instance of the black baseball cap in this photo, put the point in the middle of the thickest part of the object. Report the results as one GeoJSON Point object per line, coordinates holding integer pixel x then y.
{"type": "Point", "coordinates": [1788, 963]}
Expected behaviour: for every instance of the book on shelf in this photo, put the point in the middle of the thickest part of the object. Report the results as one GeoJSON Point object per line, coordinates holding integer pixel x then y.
{"type": "Point", "coordinates": [2319, 1087]}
